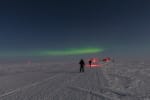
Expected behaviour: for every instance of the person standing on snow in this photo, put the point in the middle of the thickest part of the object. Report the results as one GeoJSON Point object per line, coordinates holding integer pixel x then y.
{"type": "Point", "coordinates": [90, 63]}
{"type": "Point", "coordinates": [82, 64]}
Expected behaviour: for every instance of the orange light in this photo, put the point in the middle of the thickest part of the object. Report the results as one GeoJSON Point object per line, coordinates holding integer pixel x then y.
{"type": "Point", "coordinates": [94, 65]}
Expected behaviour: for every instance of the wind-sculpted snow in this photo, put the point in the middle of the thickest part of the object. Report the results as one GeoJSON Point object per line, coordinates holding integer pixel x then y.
{"type": "Point", "coordinates": [122, 80]}
{"type": "Point", "coordinates": [132, 77]}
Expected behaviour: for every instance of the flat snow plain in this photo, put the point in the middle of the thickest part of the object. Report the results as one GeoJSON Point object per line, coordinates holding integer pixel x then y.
{"type": "Point", "coordinates": [119, 80]}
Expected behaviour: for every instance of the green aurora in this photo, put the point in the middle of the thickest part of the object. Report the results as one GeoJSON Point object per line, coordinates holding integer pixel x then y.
{"type": "Point", "coordinates": [72, 51]}
{"type": "Point", "coordinates": [65, 52]}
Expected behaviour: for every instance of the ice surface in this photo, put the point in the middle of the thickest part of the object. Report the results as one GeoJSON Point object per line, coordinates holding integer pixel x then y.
{"type": "Point", "coordinates": [119, 80]}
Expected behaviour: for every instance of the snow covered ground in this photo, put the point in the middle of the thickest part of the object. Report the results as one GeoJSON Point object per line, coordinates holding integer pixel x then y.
{"type": "Point", "coordinates": [119, 80]}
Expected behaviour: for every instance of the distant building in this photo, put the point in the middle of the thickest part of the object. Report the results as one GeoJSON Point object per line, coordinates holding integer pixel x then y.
{"type": "Point", "coordinates": [107, 59]}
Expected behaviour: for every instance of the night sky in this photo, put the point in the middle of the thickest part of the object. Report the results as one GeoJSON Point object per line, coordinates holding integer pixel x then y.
{"type": "Point", "coordinates": [120, 27]}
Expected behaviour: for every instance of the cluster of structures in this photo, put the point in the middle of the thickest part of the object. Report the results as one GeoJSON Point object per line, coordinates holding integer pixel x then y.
{"type": "Point", "coordinates": [95, 62]}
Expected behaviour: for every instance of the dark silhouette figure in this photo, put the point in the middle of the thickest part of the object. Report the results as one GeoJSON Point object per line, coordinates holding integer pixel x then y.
{"type": "Point", "coordinates": [82, 64]}
{"type": "Point", "coordinates": [90, 63]}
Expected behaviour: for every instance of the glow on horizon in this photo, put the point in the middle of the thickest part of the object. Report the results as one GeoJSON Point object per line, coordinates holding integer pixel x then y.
{"type": "Point", "coordinates": [72, 51]}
